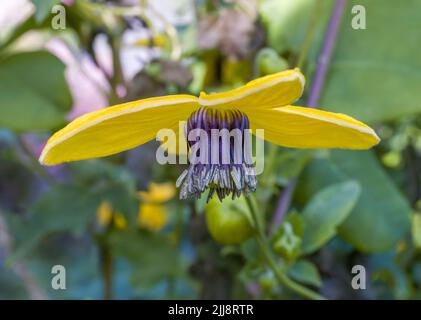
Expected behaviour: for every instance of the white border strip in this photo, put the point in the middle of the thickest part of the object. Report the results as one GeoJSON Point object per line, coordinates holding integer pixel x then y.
{"type": "Point", "coordinates": [48, 147]}
{"type": "Point", "coordinates": [297, 74]}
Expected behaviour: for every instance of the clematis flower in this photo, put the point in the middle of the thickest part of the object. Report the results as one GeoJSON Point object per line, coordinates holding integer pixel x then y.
{"type": "Point", "coordinates": [263, 103]}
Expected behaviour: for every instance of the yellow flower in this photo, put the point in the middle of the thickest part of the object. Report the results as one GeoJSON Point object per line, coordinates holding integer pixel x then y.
{"type": "Point", "coordinates": [106, 216]}
{"type": "Point", "coordinates": [159, 40]}
{"type": "Point", "coordinates": [152, 216]}
{"type": "Point", "coordinates": [158, 192]}
{"type": "Point", "coordinates": [119, 221]}
{"type": "Point", "coordinates": [263, 103]}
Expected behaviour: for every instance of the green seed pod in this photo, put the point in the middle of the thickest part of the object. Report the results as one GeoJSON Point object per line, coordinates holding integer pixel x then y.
{"type": "Point", "coordinates": [229, 221]}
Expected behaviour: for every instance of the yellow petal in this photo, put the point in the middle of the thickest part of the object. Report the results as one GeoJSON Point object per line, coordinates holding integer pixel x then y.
{"type": "Point", "coordinates": [299, 127]}
{"type": "Point", "coordinates": [115, 129]}
{"type": "Point", "coordinates": [274, 90]}
{"type": "Point", "coordinates": [158, 192]}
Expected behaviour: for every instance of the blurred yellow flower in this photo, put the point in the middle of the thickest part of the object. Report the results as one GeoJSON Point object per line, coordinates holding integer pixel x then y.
{"type": "Point", "coordinates": [119, 221]}
{"type": "Point", "coordinates": [159, 40]}
{"type": "Point", "coordinates": [152, 216]}
{"type": "Point", "coordinates": [158, 192]}
{"type": "Point", "coordinates": [152, 213]}
{"type": "Point", "coordinates": [106, 216]}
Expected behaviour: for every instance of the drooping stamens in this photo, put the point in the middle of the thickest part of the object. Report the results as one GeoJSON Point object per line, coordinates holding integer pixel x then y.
{"type": "Point", "coordinates": [220, 156]}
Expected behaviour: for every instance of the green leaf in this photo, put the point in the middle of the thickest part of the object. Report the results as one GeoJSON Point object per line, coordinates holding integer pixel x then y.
{"type": "Point", "coordinates": [152, 256]}
{"type": "Point", "coordinates": [374, 72]}
{"type": "Point", "coordinates": [325, 212]}
{"type": "Point", "coordinates": [34, 92]}
{"type": "Point", "coordinates": [28, 25]}
{"type": "Point", "coordinates": [381, 216]}
{"type": "Point", "coordinates": [12, 287]}
{"type": "Point", "coordinates": [64, 208]}
{"type": "Point", "coordinates": [113, 183]}
{"type": "Point", "coordinates": [121, 201]}
{"type": "Point", "coordinates": [251, 251]}
{"type": "Point", "coordinates": [43, 8]}
{"type": "Point", "coordinates": [104, 173]}
{"type": "Point", "coordinates": [286, 23]}
{"type": "Point", "coordinates": [268, 61]}
{"type": "Point", "coordinates": [384, 268]}
{"type": "Point", "coordinates": [305, 272]}
{"type": "Point", "coordinates": [290, 163]}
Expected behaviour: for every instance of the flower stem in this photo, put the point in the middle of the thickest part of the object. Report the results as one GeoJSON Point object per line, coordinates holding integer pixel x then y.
{"type": "Point", "coordinates": [107, 269]}
{"type": "Point", "coordinates": [118, 77]}
{"type": "Point", "coordinates": [279, 274]}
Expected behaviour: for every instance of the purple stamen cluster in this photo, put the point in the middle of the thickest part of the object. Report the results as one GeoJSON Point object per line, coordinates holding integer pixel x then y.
{"type": "Point", "coordinates": [220, 155]}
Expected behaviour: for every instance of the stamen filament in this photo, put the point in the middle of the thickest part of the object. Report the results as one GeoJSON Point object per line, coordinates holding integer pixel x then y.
{"type": "Point", "coordinates": [219, 155]}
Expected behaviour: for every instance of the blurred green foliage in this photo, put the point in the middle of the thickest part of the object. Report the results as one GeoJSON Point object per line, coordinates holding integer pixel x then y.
{"type": "Point", "coordinates": [47, 98]}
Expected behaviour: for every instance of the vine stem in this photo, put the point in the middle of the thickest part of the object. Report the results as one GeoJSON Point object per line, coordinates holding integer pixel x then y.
{"type": "Point", "coordinates": [279, 274]}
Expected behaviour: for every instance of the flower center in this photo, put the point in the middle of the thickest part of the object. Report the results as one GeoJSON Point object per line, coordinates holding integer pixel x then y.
{"type": "Point", "coordinates": [220, 155]}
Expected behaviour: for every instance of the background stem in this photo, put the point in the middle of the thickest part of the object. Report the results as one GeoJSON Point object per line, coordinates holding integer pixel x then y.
{"type": "Point", "coordinates": [107, 271]}
{"type": "Point", "coordinates": [283, 204]}
{"type": "Point", "coordinates": [317, 84]}
{"type": "Point", "coordinates": [308, 39]}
